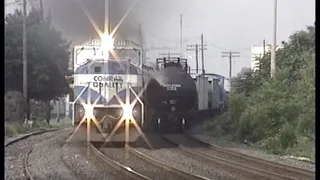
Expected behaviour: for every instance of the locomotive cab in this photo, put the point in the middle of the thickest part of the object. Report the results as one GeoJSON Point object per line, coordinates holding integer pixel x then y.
{"type": "Point", "coordinates": [98, 82]}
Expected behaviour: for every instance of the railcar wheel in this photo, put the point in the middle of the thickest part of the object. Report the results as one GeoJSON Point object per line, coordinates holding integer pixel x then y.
{"type": "Point", "coordinates": [158, 124]}
{"type": "Point", "coordinates": [183, 124]}
{"type": "Point", "coordinates": [179, 125]}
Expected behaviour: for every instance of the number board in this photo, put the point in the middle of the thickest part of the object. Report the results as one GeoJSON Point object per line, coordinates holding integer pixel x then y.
{"type": "Point", "coordinates": [117, 43]}
{"type": "Point", "coordinates": [121, 43]}
{"type": "Point", "coordinates": [95, 42]}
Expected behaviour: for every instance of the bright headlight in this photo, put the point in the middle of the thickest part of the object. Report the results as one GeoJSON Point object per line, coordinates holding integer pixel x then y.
{"type": "Point", "coordinates": [107, 42]}
{"type": "Point", "coordinates": [127, 111]}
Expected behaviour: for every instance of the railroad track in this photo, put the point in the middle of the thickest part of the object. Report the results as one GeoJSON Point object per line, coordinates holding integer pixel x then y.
{"type": "Point", "coordinates": [136, 175]}
{"type": "Point", "coordinates": [183, 174]}
{"type": "Point", "coordinates": [246, 164]}
{"type": "Point", "coordinates": [122, 168]}
{"type": "Point", "coordinates": [25, 162]}
{"type": "Point", "coordinates": [28, 135]}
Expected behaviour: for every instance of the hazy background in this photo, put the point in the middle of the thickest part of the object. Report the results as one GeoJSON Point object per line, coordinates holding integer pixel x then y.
{"type": "Point", "coordinates": [226, 24]}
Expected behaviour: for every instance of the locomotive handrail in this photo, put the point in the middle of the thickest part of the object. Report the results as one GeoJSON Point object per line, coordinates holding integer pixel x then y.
{"type": "Point", "coordinates": [78, 97]}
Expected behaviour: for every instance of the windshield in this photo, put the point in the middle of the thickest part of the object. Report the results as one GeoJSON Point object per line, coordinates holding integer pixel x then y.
{"type": "Point", "coordinates": [106, 67]}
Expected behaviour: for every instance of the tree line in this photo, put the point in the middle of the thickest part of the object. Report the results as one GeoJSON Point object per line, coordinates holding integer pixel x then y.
{"type": "Point", "coordinates": [47, 54]}
{"type": "Point", "coordinates": [276, 113]}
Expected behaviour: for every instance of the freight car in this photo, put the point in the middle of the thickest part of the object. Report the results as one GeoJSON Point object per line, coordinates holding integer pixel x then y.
{"type": "Point", "coordinates": [177, 99]}
{"type": "Point", "coordinates": [171, 93]}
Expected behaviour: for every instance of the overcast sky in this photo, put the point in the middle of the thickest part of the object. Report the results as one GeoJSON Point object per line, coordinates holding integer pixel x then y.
{"type": "Point", "coordinates": [226, 24]}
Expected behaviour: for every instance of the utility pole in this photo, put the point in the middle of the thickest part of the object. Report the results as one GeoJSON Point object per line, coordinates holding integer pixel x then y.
{"type": "Point", "coordinates": [41, 9]}
{"type": "Point", "coordinates": [230, 55]}
{"type": "Point", "coordinates": [107, 23]}
{"type": "Point", "coordinates": [142, 46]}
{"type": "Point", "coordinates": [24, 55]}
{"type": "Point", "coordinates": [264, 47]}
{"type": "Point", "coordinates": [107, 28]}
{"type": "Point", "coordinates": [109, 18]}
{"type": "Point", "coordinates": [202, 54]}
{"type": "Point", "coordinates": [181, 48]}
{"type": "Point", "coordinates": [273, 50]}
{"type": "Point", "coordinates": [196, 49]}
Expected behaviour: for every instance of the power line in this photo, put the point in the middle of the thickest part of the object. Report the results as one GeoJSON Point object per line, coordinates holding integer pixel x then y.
{"type": "Point", "coordinates": [230, 55]}
{"type": "Point", "coordinates": [181, 38]}
{"type": "Point", "coordinates": [202, 54]}
{"type": "Point", "coordinates": [196, 48]}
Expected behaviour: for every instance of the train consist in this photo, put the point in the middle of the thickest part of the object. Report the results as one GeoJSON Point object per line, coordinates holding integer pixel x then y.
{"type": "Point", "coordinates": [171, 97]}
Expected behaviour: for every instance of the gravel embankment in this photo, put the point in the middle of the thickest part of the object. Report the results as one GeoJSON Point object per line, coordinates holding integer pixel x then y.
{"type": "Point", "coordinates": [139, 165]}
{"type": "Point", "coordinates": [226, 142]}
{"type": "Point", "coordinates": [15, 155]}
{"type": "Point", "coordinates": [177, 159]}
{"type": "Point", "coordinates": [89, 167]}
{"type": "Point", "coordinates": [45, 160]}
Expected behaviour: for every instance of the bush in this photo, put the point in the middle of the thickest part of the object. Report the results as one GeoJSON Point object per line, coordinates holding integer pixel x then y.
{"type": "Point", "coordinates": [216, 127]}
{"type": "Point", "coordinates": [41, 124]}
{"type": "Point", "coordinates": [15, 107]}
{"type": "Point", "coordinates": [12, 129]}
{"type": "Point", "coordinates": [228, 121]}
{"type": "Point", "coordinates": [277, 113]}
{"type": "Point", "coordinates": [304, 147]}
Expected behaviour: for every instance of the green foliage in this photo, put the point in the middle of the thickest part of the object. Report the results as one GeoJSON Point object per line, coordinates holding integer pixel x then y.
{"type": "Point", "coordinates": [244, 83]}
{"type": "Point", "coordinates": [47, 54]}
{"type": "Point", "coordinates": [284, 139]}
{"type": "Point", "coordinates": [12, 129]}
{"type": "Point", "coordinates": [227, 123]}
{"type": "Point", "coordinates": [278, 113]}
{"type": "Point", "coordinates": [41, 124]}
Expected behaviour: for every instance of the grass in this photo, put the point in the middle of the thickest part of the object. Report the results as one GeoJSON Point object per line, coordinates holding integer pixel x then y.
{"type": "Point", "coordinates": [302, 148]}
{"type": "Point", "coordinates": [13, 129]}
{"type": "Point", "coordinates": [64, 123]}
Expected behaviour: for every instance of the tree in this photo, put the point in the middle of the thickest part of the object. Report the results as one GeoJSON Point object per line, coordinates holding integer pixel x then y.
{"type": "Point", "coordinates": [48, 57]}
{"type": "Point", "coordinates": [290, 57]}
{"type": "Point", "coordinates": [278, 113]}
{"type": "Point", "coordinates": [244, 82]}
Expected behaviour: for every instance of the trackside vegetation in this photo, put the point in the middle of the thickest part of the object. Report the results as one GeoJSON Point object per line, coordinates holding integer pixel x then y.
{"type": "Point", "coordinates": [48, 57]}
{"type": "Point", "coordinates": [278, 113]}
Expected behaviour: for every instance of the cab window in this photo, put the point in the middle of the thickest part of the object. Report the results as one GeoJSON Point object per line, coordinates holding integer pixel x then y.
{"type": "Point", "coordinates": [97, 69]}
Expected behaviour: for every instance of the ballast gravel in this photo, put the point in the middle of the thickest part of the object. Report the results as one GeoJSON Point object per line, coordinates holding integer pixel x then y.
{"type": "Point", "coordinates": [87, 165]}
{"type": "Point", "coordinates": [176, 158]}
{"type": "Point", "coordinates": [143, 167]}
{"type": "Point", "coordinates": [45, 162]}
{"type": "Point", "coordinates": [15, 155]}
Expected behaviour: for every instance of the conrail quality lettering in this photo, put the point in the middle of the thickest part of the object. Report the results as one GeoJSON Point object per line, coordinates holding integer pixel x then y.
{"type": "Point", "coordinates": [108, 81]}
